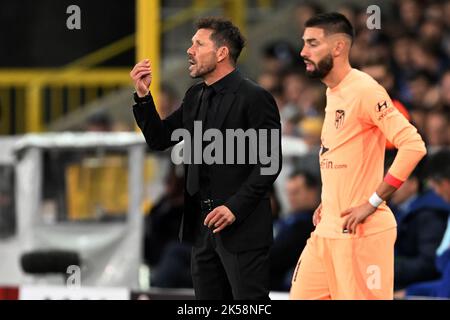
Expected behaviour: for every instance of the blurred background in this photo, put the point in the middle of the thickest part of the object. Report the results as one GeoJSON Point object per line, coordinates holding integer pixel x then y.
{"type": "Point", "coordinates": [78, 186]}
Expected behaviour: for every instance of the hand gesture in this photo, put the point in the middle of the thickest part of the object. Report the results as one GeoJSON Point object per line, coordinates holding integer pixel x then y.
{"type": "Point", "coordinates": [142, 77]}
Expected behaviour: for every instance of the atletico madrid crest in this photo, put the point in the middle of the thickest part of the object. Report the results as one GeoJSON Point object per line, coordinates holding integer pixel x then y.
{"type": "Point", "coordinates": [339, 119]}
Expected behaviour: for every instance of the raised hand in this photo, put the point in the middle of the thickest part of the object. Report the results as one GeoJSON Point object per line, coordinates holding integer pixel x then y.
{"type": "Point", "coordinates": [142, 77]}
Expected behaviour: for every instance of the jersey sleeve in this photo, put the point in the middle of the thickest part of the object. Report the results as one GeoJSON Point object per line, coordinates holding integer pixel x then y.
{"type": "Point", "coordinates": [381, 112]}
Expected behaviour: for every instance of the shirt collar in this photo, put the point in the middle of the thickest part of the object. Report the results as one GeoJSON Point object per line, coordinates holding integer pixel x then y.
{"type": "Point", "coordinates": [226, 83]}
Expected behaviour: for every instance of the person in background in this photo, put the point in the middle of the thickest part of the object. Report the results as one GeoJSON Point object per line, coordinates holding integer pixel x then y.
{"type": "Point", "coordinates": [439, 177]}
{"type": "Point", "coordinates": [163, 220]}
{"type": "Point", "coordinates": [99, 122]}
{"type": "Point", "coordinates": [421, 221]}
{"type": "Point", "coordinates": [168, 100]}
{"type": "Point", "coordinates": [303, 191]}
{"type": "Point", "coordinates": [437, 130]}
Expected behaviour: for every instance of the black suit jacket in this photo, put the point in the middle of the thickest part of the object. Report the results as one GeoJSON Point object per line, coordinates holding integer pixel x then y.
{"type": "Point", "coordinates": [242, 187]}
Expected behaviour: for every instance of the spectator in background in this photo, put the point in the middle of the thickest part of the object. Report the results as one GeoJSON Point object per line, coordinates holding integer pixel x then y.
{"type": "Point", "coordinates": [439, 175]}
{"type": "Point", "coordinates": [438, 170]}
{"type": "Point", "coordinates": [162, 222]}
{"type": "Point", "coordinates": [444, 92]}
{"type": "Point", "coordinates": [446, 40]}
{"type": "Point", "coordinates": [269, 81]}
{"type": "Point", "coordinates": [380, 46]}
{"type": "Point", "coordinates": [421, 221]}
{"type": "Point", "coordinates": [410, 15]}
{"type": "Point", "coordinates": [437, 130]}
{"type": "Point", "coordinates": [312, 104]}
{"type": "Point", "coordinates": [418, 118]}
{"type": "Point", "coordinates": [278, 56]}
{"type": "Point", "coordinates": [303, 11]}
{"type": "Point", "coordinates": [431, 32]}
{"type": "Point", "coordinates": [350, 11]}
{"type": "Point", "coordinates": [293, 85]}
{"type": "Point", "coordinates": [302, 101]}
{"type": "Point", "coordinates": [401, 58]}
{"type": "Point", "coordinates": [174, 268]}
{"type": "Point", "coordinates": [427, 58]}
{"type": "Point", "coordinates": [99, 122]}
{"type": "Point", "coordinates": [169, 260]}
{"type": "Point", "coordinates": [434, 12]}
{"type": "Point", "coordinates": [303, 191]}
{"type": "Point", "coordinates": [418, 85]}
{"type": "Point", "coordinates": [310, 129]}
{"type": "Point", "coordinates": [168, 100]}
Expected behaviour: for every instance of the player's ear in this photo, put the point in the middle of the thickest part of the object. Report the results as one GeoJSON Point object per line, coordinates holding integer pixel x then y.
{"type": "Point", "coordinates": [339, 47]}
{"type": "Point", "coordinates": [222, 53]}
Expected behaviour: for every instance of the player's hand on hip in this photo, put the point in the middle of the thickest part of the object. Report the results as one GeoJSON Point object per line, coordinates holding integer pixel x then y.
{"type": "Point", "coordinates": [142, 77]}
{"type": "Point", "coordinates": [355, 216]}
{"type": "Point", "coordinates": [219, 218]}
{"type": "Point", "coordinates": [317, 215]}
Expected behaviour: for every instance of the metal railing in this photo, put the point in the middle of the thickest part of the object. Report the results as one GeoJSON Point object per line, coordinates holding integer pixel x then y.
{"type": "Point", "coordinates": [30, 99]}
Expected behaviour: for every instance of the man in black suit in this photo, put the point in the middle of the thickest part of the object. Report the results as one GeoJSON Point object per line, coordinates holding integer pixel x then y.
{"type": "Point", "coordinates": [227, 212]}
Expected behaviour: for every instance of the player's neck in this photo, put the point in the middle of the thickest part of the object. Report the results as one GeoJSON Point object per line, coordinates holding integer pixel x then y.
{"type": "Point", "coordinates": [219, 73]}
{"type": "Point", "coordinates": [337, 74]}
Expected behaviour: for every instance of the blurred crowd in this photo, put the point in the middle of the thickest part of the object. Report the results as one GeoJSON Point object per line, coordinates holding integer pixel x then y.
{"type": "Point", "coordinates": [409, 57]}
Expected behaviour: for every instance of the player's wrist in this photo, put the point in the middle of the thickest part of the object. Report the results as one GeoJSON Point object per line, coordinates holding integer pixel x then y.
{"type": "Point", "coordinates": [375, 200]}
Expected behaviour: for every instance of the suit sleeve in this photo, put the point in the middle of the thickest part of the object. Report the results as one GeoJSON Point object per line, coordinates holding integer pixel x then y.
{"type": "Point", "coordinates": [262, 113]}
{"type": "Point", "coordinates": [397, 129]}
{"type": "Point", "coordinates": [157, 132]}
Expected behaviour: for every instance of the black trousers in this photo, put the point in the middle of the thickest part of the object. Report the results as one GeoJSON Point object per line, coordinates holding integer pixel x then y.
{"type": "Point", "coordinates": [218, 274]}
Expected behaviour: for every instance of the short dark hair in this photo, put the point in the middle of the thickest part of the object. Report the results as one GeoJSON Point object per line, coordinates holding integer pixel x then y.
{"type": "Point", "coordinates": [225, 33]}
{"type": "Point", "coordinates": [331, 23]}
{"type": "Point", "coordinates": [438, 165]}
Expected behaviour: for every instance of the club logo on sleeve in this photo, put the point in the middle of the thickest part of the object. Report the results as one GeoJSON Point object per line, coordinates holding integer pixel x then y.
{"type": "Point", "coordinates": [383, 109]}
{"type": "Point", "coordinates": [339, 119]}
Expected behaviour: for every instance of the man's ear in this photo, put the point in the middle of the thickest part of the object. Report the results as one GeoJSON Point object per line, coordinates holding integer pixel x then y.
{"type": "Point", "coordinates": [222, 53]}
{"type": "Point", "coordinates": [340, 46]}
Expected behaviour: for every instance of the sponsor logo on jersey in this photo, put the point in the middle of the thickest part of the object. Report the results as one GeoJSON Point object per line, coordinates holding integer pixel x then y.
{"type": "Point", "coordinates": [383, 109]}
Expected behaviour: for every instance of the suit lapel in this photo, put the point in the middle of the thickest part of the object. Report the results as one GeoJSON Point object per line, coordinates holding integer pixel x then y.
{"type": "Point", "coordinates": [224, 108]}
{"type": "Point", "coordinates": [229, 95]}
